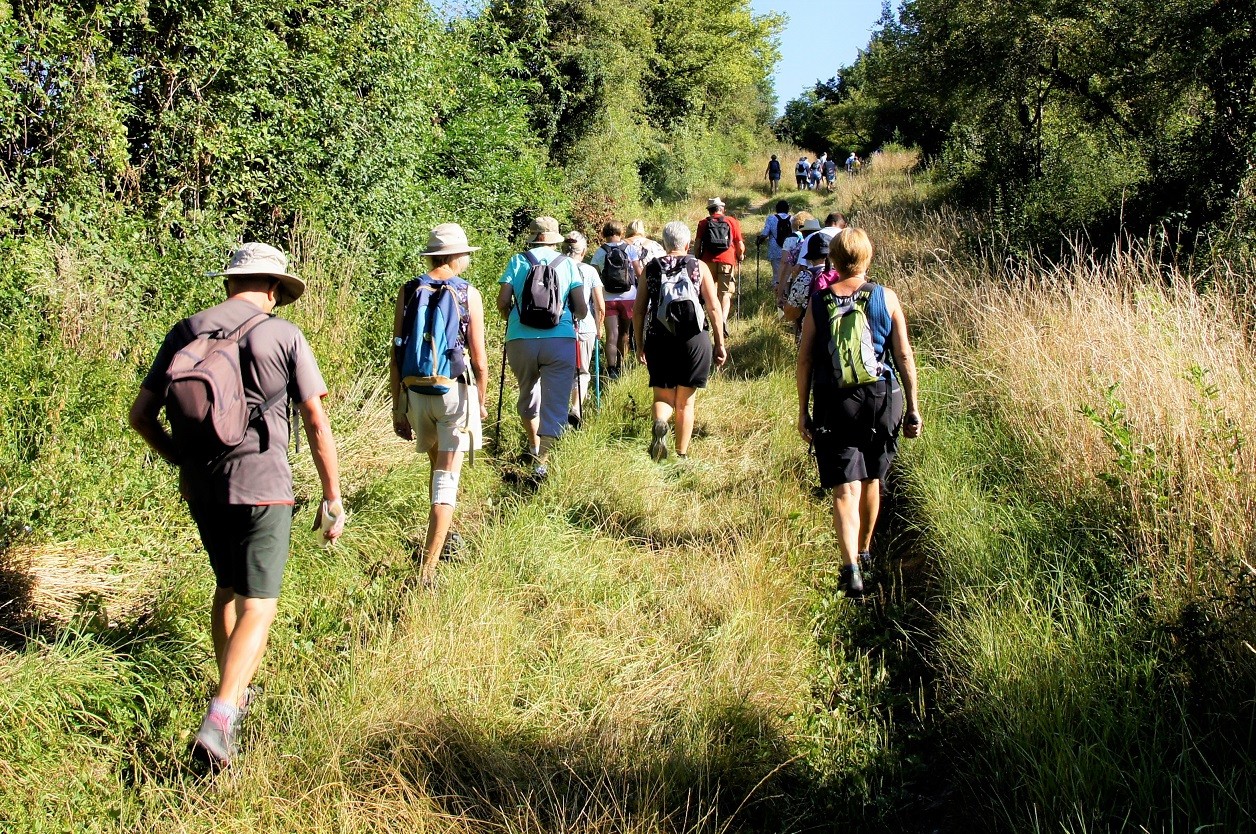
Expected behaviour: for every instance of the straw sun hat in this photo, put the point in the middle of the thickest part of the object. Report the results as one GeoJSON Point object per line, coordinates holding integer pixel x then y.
{"type": "Point", "coordinates": [448, 239]}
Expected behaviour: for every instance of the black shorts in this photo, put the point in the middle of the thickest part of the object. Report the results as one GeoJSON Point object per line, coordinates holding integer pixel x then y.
{"type": "Point", "coordinates": [856, 431]}
{"type": "Point", "coordinates": [247, 545]}
{"type": "Point", "coordinates": [676, 362]}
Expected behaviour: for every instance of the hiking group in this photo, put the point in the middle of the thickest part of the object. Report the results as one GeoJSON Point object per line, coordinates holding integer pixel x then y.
{"type": "Point", "coordinates": [223, 374]}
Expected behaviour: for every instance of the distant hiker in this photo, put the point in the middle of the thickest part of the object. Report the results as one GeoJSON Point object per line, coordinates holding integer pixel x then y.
{"type": "Point", "coordinates": [721, 248]}
{"type": "Point", "coordinates": [777, 229]}
{"type": "Point", "coordinates": [792, 251]}
{"type": "Point", "coordinates": [830, 173]}
{"type": "Point", "coordinates": [773, 174]}
{"type": "Point", "coordinates": [834, 222]}
{"type": "Point", "coordinates": [541, 298]}
{"type": "Point", "coordinates": [647, 249]}
{"type": "Point", "coordinates": [813, 178]}
{"type": "Point", "coordinates": [850, 163]}
{"type": "Point", "coordinates": [438, 376]}
{"type": "Point", "coordinates": [233, 459]}
{"type": "Point", "coordinates": [850, 403]}
{"type": "Point", "coordinates": [802, 280]}
{"type": "Point", "coordinates": [674, 337]}
{"type": "Point", "coordinates": [619, 264]}
{"type": "Point", "coordinates": [574, 246]}
{"type": "Point", "coordinates": [801, 171]}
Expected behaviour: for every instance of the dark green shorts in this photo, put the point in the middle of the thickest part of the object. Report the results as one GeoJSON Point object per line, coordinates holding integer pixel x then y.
{"type": "Point", "coordinates": [247, 545]}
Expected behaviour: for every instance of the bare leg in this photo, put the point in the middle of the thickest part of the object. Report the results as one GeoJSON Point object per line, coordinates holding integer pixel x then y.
{"type": "Point", "coordinates": [664, 403]}
{"type": "Point", "coordinates": [612, 341]}
{"type": "Point", "coordinates": [726, 303]}
{"type": "Point", "coordinates": [222, 623]}
{"type": "Point", "coordinates": [440, 517]}
{"type": "Point", "coordinates": [684, 418]}
{"type": "Point", "coordinates": [846, 501]}
{"type": "Point", "coordinates": [869, 508]}
{"type": "Point", "coordinates": [245, 646]}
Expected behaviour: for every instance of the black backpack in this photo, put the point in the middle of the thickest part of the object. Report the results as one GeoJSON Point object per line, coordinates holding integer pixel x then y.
{"type": "Point", "coordinates": [774, 168]}
{"type": "Point", "coordinates": [717, 236]}
{"type": "Point", "coordinates": [543, 300]}
{"type": "Point", "coordinates": [616, 270]}
{"type": "Point", "coordinates": [784, 229]}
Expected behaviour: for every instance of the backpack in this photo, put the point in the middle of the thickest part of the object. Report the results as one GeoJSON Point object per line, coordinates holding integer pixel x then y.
{"type": "Point", "coordinates": [616, 269]}
{"type": "Point", "coordinates": [846, 320]}
{"type": "Point", "coordinates": [774, 168]}
{"type": "Point", "coordinates": [677, 306]}
{"type": "Point", "coordinates": [784, 229]}
{"type": "Point", "coordinates": [432, 345]}
{"type": "Point", "coordinates": [543, 299]}
{"type": "Point", "coordinates": [717, 235]}
{"type": "Point", "coordinates": [205, 400]}
{"type": "Point", "coordinates": [802, 168]}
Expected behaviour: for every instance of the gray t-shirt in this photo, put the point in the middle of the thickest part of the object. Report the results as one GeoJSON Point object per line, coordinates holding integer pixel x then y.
{"type": "Point", "coordinates": [274, 355]}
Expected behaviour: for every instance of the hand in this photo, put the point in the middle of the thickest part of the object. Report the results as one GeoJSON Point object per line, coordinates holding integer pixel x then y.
{"type": "Point", "coordinates": [641, 355]}
{"type": "Point", "coordinates": [804, 427]}
{"type": "Point", "coordinates": [331, 518]}
{"type": "Point", "coordinates": [913, 425]}
{"type": "Point", "coordinates": [401, 426]}
{"type": "Point", "coordinates": [721, 356]}
{"type": "Point", "coordinates": [483, 412]}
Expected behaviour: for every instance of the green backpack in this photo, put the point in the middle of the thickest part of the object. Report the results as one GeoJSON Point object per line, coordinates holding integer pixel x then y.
{"type": "Point", "coordinates": [855, 362]}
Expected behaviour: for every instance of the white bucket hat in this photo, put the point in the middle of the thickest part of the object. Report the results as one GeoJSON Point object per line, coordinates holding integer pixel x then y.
{"type": "Point", "coordinates": [261, 259]}
{"type": "Point", "coordinates": [811, 224]}
{"type": "Point", "coordinates": [448, 239]}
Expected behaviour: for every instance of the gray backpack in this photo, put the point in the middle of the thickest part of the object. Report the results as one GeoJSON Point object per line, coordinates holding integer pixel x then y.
{"type": "Point", "coordinates": [678, 306]}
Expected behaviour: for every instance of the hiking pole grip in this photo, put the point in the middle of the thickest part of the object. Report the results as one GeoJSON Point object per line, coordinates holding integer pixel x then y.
{"type": "Point", "coordinates": [501, 393]}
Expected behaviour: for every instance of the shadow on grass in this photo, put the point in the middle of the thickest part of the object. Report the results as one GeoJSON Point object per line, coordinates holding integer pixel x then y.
{"type": "Point", "coordinates": [16, 590]}
{"type": "Point", "coordinates": [731, 772]}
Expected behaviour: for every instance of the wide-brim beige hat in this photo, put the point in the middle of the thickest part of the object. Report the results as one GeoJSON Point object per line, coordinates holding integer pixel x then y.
{"type": "Point", "coordinates": [261, 259]}
{"type": "Point", "coordinates": [810, 225]}
{"type": "Point", "coordinates": [544, 230]}
{"type": "Point", "coordinates": [448, 239]}
{"type": "Point", "coordinates": [715, 202]}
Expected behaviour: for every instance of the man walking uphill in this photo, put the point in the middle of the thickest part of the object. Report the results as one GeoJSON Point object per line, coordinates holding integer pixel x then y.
{"type": "Point", "coordinates": [722, 248]}
{"type": "Point", "coordinates": [224, 376]}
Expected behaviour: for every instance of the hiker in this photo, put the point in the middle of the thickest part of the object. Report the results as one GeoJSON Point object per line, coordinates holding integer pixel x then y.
{"type": "Point", "coordinates": [834, 222]}
{"type": "Point", "coordinates": [792, 251]}
{"type": "Point", "coordinates": [541, 299]}
{"type": "Point", "coordinates": [813, 177]}
{"type": "Point", "coordinates": [801, 171]}
{"type": "Point", "coordinates": [773, 174]}
{"type": "Point", "coordinates": [803, 278]}
{"type": "Point", "coordinates": [574, 246]}
{"type": "Point", "coordinates": [721, 247]}
{"type": "Point", "coordinates": [618, 264]}
{"type": "Point", "coordinates": [647, 249]}
{"type": "Point", "coordinates": [233, 462]}
{"type": "Point", "coordinates": [850, 163]}
{"type": "Point", "coordinates": [676, 346]}
{"type": "Point", "coordinates": [439, 396]}
{"type": "Point", "coordinates": [830, 173]}
{"type": "Point", "coordinates": [777, 229]}
{"type": "Point", "coordinates": [852, 402]}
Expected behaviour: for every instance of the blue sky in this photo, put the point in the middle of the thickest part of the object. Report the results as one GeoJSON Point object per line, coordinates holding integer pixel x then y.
{"type": "Point", "coordinates": [820, 37]}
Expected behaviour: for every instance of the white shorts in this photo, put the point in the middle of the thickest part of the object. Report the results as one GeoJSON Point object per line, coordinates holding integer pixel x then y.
{"type": "Point", "coordinates": [446, 422]}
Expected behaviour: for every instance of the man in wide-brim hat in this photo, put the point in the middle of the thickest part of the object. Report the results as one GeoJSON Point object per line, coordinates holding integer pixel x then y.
{"type": "Point", "coordinates": [240, 496]}
{"type": "Point", "coordinates": [443, 424]}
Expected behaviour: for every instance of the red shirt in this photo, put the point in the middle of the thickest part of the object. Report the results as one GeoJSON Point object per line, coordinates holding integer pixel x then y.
{"type": "Point", "coordinates": [732, 254]}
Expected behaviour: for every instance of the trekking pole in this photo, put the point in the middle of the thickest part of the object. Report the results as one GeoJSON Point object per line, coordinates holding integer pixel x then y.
{"type": "Point", "coordinates": [758, 282]}
{"type": "Point", "coordinates": [501, 393]}
{"type": "Point", "coordinates": [739, 290]}
{"type": "Point", "coordinates": [579, 399]}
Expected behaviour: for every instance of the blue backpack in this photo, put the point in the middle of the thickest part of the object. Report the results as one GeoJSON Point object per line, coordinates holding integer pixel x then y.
{"type": "Point", "coordinates": [433, 351]}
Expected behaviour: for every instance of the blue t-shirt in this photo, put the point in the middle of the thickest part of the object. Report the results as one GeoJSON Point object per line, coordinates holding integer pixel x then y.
{"type": "Point", "coordinates": [516, 273]}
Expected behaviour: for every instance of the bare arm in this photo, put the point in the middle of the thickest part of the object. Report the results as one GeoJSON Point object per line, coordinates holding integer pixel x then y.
{"type": "Point", "coordinates": [639, 307]}
{"type": "Point", "coordinates": [599, 309]}
{"type": "Point", "coordinates": [401, 426]}
{"type": "Point", "coordinates": [476, 350]}
{"type": "Point", "coordinates": [905, 362]}
{"type": "Point", "coordinates": [323, 450]}
{"type": "Point", "coordinates": [143, 419]}
{"type": "Point", "coordinates": [802, 376]}
{"type": "Point", "coordinates": [715, 311]}
{"type": "Point", "coordinates": [505, 299]}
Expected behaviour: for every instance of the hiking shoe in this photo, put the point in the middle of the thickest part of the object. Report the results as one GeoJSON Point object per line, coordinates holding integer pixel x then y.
{"type": "Point", "coordinates": [851, 581]}
{"type": "Point", "coordinates": [658, 447]}
{"type": "Point", "coordinates": [541, 472]}
{"type": "Point", "coordinates": [865, 562]}
{"type": "Point", "coordinates": [452, 547]}
{"type": "Point", "coordinates": [217, 737]}
{"type": "Point", "coordinates": [573, 419]}
{"type": "Point", "coordinates": [246, 703]}
{"type": "Point", "coordinates": [612, 372]}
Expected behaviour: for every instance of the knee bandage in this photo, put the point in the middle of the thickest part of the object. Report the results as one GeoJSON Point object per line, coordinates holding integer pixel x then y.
{"type": "Point", "coordinates": [444, 487]}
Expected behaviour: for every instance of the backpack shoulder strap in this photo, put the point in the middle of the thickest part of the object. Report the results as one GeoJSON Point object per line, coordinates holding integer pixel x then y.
{"type": "Point", "coordinates": [530, 258]}
{"type": "Point", "coordinates": [554, 263]}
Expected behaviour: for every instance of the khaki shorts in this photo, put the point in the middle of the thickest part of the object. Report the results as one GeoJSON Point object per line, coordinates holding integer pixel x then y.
{"type": "Point", "coordinates": [725, 276]}
{"type": "Point", "coordinates": [447, 422]}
